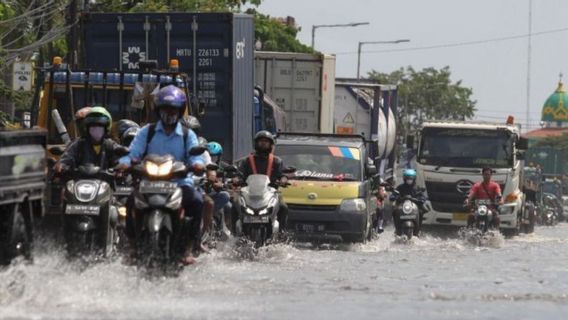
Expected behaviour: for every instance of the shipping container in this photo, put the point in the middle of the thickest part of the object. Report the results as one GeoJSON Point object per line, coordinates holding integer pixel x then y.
{"type": "Point", "coordinates": [224, 61]}
{"type": "Point", "coordinates": [303, 85]}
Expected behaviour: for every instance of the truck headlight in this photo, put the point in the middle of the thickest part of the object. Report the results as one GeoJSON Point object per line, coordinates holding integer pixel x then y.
{"type": "Point", "coordinates": [357, 205]}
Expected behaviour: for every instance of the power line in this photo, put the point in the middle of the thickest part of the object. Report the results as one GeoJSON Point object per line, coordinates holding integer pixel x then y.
{"type": "Point", "coordinates": [462, 43]}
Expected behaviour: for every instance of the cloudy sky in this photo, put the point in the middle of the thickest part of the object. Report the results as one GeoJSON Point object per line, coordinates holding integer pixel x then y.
{"type": "Point", "coordinates": [495, 67]}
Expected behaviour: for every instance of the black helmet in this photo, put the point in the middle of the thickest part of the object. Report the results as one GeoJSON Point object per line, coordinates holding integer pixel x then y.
{"type": "Point", "coordinates": [128, 135]}
{"type": "Point", "coordinates": [264, 134]}
{"type": "Point", "coordinates": [125, 124]}
{"type": "Point", "coordinates": [192, 123]}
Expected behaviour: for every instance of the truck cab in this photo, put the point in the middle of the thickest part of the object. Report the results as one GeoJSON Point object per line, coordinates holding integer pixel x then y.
{"type": "Point", "coordinates": [450, 157]}
{"type": "Point", "coordinates": [330, 196]}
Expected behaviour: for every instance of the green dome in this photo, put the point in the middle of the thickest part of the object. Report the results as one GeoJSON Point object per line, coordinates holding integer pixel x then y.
{"type": "Point", "coordinates": [556, 106]}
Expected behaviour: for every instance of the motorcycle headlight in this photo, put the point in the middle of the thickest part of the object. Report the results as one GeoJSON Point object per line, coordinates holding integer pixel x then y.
{"type": "Point", "coordinates": [351, 205]}
{"type": "Point", "coordinates": [85, 191]}
{"type": "Point", "coordinates": [249, 211]}
{"type": "Point", "coordinates": [158, 170]}
{"type": "Point", "coordinates": [265, 211]}
{"type": "Point", "coordinates": [482, 210]}
{"type": "Point", "coordinates": [407, 207]}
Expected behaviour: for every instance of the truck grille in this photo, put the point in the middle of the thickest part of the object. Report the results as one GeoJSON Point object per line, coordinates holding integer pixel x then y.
{"type": "Point", "coordinates": [445, 196]}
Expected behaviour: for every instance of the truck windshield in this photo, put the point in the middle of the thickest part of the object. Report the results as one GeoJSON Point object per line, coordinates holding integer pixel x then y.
{"type": "Point", "coordinates": [466, 147]}
{"type": "Point", "coordinates": [322, 162]}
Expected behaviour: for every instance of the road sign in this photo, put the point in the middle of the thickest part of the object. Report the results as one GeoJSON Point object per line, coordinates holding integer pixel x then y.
{"type": "Point", "coordinates": [22, 76]}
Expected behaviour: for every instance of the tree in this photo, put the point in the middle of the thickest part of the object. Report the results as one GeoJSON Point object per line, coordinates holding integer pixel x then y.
{"type": "Point", "coordinates": [276, 36]}
{"type": "Point", "coordinates": [428, 94]}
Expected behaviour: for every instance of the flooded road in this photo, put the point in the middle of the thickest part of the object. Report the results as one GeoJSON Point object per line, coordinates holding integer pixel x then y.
{"type": "Point", "coordinates": [525, 277]}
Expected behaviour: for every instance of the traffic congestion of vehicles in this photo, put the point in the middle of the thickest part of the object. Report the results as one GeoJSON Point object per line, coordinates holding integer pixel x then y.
{"type": "Point", "coordinates": [172, 153]}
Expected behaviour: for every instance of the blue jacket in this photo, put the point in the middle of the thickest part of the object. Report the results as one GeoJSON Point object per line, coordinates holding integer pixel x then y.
{"type": "Point", "coordinates": [162, 144]}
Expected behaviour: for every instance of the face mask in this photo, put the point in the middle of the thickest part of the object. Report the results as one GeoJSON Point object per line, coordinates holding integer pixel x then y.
{"type": "Point", "coordinates": [168, 119]}
{"type": "Point", "coordinates": [96, 133]}
{"type": "Point", "coordinates": [409, 181]}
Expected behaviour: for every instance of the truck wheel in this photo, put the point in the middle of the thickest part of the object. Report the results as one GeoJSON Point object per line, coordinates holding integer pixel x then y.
{"type": "Point", "coordinates": [18, 240]}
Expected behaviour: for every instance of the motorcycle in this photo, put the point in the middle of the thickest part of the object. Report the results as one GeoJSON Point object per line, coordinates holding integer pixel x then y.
{"type": "Point", "coordinates": [219, 228]}
{"type": "Point", "coordinates": [408, 208]}
{"type": "Point", "coordinates": [161, 223]}
{"type": "Point", "coordinates": [90, 216]}
{"type": "Point", "coordinates": [483, 215]}
{"type": "Point", "coordinates": [549, 215]}
{"type": "Point", "coordinates": [258, 205]}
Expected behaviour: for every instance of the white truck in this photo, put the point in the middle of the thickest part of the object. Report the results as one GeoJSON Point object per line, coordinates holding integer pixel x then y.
{"type": "Point", "coordinates": [450, 156]}
{"type": "Point", "coordinates": [302, 84]}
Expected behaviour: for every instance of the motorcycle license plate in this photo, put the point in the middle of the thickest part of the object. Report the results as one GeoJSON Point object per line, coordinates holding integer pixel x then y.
{"type": "Point", "coordinates": [407, 217]}
{"type": "Point", "coordinates": [82, 209]}
{"type": "Point", "coordinates": [122, 191]}
{"type": "Point", "coordinates": [256, 219]}
{"type": "Point", "coordinates": [460, 216]}
{"type": "Point", "coordinates": [157, 186]}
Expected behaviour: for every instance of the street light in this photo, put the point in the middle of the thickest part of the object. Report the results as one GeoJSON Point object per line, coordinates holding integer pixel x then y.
{"type": "Point", "coordinates": [361, 43]}
{"type": "Point", "coordinates": [353, 24]}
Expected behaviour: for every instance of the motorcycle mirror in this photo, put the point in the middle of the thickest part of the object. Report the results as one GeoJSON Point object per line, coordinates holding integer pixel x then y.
{"type": "Point", "coordinates": [56, 150]}
{"type": "Point", "coordinates": [197, 150]}
{"type": "Point", "coordinates": [289, 170]}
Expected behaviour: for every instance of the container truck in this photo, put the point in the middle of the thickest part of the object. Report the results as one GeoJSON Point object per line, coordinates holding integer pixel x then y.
{"type": "Point", "coordinates": [302, 84]}
{"type": "Point", "coordinates": [355, 113]}
{"type": "Point", "coordinates": [450, 157]}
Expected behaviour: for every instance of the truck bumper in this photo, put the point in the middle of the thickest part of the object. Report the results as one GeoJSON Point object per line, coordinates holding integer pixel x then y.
{"type": "Point", "coordinates": [508, 221]}
{"type": "Point", "coordinates": [326, 225]}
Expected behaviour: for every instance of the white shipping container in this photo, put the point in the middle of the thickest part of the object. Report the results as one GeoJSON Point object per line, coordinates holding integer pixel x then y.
{"type": "Point", "coordinates": [303, 85]}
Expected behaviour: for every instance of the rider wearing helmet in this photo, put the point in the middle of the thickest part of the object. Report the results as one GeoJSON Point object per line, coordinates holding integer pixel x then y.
{"type": "Point", "coordinates": [127, 130]}
{"type": "Point", "coordinates": [262, 161]}
{"type": "Point", "coordinates": [407, 188]}
{"type": "Point", "coordinates": [93, 146]}
{"type": "Point", "coordinates": [168, 136]}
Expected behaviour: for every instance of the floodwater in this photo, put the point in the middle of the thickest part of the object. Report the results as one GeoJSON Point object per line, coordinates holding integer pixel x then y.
{"type": "Point", "coordinates": [525, 277]}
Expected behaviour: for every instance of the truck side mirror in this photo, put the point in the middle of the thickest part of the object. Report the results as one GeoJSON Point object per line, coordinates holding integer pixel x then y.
{"type": "Point", "coordinates": [410, 141]}
{"type": "Point", "coordinates": [523, 143]}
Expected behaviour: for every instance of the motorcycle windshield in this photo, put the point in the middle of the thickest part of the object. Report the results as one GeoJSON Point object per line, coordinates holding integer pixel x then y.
{"type": "Point", "coordinates": [257, 185]}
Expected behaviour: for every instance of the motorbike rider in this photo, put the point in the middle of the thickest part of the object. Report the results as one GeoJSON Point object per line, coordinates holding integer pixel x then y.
{"type": "Point", "coordinates": [94, 146]}
{"type": "Point", "coordinates": [407, 188]}
{"type": "Point", "coordinates": [485, 190]}
{"type": "Point", "coordinates": [263, 161]}
{"type": "Point", "coordinates": [168, 136]}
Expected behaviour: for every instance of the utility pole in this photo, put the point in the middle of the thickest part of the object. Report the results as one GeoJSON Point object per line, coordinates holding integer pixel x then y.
{"type": "Point", "coordinates": [529, 52]}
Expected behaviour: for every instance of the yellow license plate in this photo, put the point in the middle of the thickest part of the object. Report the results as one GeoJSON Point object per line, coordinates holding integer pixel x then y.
{"type": "Point", "coordinates": [460, 216]}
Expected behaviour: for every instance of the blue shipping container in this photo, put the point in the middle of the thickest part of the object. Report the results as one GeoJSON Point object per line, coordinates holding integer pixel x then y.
{"type": "Point", "coordinates": [118, 41]}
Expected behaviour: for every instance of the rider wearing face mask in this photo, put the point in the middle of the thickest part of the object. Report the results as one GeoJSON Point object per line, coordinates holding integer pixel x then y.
{"type": "Point", "coordinates": [169, 136]}
{"type": "Point", "coordinates": [407, 187]}
{"type": "Point", "coordinates": [94, 146]}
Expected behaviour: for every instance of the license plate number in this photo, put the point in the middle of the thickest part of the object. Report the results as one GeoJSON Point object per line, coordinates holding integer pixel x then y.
{"type": "Point", "coordinates": [256, 219]}
{"type": "Point", "coordinates": [157, 186]}
{"type": "Point", "coordinates": [309, 228]}
{"type": "Point", "coordinates": [460, 216]}
{"type": "Point", "coordinates": [407, 217]}
{"type": "Point", "coordinates": [82, 209]}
